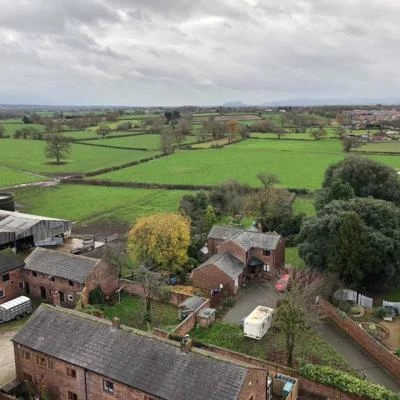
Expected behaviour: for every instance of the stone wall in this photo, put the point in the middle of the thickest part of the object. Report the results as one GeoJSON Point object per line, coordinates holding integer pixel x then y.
{"type": "Point", "coordinates": [376, 350]}
{"type": "Point", "coordinates": [190, 321]}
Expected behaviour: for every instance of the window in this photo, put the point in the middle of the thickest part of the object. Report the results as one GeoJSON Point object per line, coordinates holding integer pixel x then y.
{"type": "Point", "coordinates": [266, 252]}
{"type": "Point", "coordinates": [34, 273]}
{"type": "Point", "coordinates": [2, 294]}
{"type": "Point", "coordinates": [71, 283]}
{"type": "Point", "coordinates": [6, 277]}
{"type": "Point", "coordinates": [52, 278]}
{"type": "Point", "coordinates": [70, 297]}
{"type": "Point", "coordinates": [50, 364]}
{"type": "Point", "coordinates": [42, 361]}
{"type": "Point", "coordinates": [71, 372]}
{"type": "Point", "coordinates": [21, 285]}
{"type": "Point", "coordinates": [26, 355]}
{"type": "Point", "coordinates": [61, 296]}
{"type": "Point", "coordinates": [27, 377]}
{"type": "Point", "coordinates": [108, 386]}
{"type": "Point", "coordinates": [72, 396]}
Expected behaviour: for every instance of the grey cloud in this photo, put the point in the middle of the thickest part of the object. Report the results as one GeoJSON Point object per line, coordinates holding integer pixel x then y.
{"type": "Point", "coordinates": [205, 51]}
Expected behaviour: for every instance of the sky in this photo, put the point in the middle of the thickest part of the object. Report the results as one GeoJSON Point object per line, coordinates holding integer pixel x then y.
{"type": "Point", "coordinates": [196, 52]}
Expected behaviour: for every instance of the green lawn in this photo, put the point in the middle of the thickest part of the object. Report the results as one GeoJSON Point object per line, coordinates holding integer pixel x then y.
{"type": "Point", "coordinates": [292, 257]}
{"type": "Point", "coordinates": [131, 312]}
{"type": "Point", "coordinates": [213, 166]}
{"type": "Point", "coordinates": [8, 177]}
{"type": "Point", "coordinates": [87, 204]}
{"type": "Point", "coordinates": [310, 348]}
{"type": "Point", "coordinates": [29, 155]}
{"type": "Point", "coordinates": [304, 204]}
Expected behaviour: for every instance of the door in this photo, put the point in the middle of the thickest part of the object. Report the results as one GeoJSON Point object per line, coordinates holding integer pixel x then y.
{"type": "Point", "coordinates": [42, 293]}
{"type": "Point", "coordinates": [27, 288]}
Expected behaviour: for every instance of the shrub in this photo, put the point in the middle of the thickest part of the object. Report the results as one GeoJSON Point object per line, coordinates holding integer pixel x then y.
{"type": "Point", "coordinates": [228, 302]}
{"type": "Point", "coordinates": [347, 383]}
{"type": "Point", "coordinates": [380, 312]}
{"type": "Point", "coordinates": [397, 352]}
{"type": "Point", "coordinates": [96, 296]}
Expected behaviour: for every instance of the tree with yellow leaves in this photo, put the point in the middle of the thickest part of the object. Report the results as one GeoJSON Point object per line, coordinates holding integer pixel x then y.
{"type": "Point", "coordinates": [161, 240]}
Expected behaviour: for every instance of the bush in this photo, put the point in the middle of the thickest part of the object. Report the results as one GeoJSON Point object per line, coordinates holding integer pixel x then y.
{"type": "Point", "coordinates": [397, 352]}
{"type": "Point", "coordinates": [347, 383]}
{"type": "Point", "coordinates": [228, 302]}
{"type": "Point", "coordinates": [96, 296]}
{"type": "Point", "coordinates": [380, 313]}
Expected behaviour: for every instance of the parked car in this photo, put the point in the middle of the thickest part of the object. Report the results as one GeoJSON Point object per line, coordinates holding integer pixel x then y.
{"type": "Point", "coordinates": [15, 309]}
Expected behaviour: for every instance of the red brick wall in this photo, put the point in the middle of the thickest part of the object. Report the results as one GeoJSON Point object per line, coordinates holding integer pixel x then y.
{"type": "Point", "coordinates": [190, 321]}
{"type": "Point", "coordinates": [55, 380]}
{"type": "Point", "coordinates": [104, 275]}
{"type": "Point", "coordinates": [121, 391]}
{"type": "Point", "coordinates": [362, 338]}
{"type": "Point", "coordinates": [234, 249]}
{"type": "Point", "coordinates": [210, 277]}
{"type": "Point", "coordinates": [11, 287]}
{"type": "Point", "coordinates": [212, 245]}
{"type": "Point", "coordinates": [254, 386]}
{"type": "Point", "coordinates": [59, 284]}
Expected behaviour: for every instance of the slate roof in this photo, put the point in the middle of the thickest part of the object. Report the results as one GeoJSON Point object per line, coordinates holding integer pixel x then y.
{"type": "Point", "coordinates": [9, 261]}
{"type": "Point", "coordinates": [226, 262]}
{"type": "Point", "coordinates": [223, 232]}
{"type": "Point", "coordinates": [60, 264]}
{"type": "Point", "coordinates": [192, 303]}
{"type": "Point", "coordinates": [245, 238]}
{"type": "Point", "coordinates": [140, 360]}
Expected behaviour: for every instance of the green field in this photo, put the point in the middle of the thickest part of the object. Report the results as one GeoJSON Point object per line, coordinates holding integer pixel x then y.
{"type": "Point", "coordinates": [304, 205]}
{"type": "Point", "coordinates": [300, 146]}
{"type": "Point", "coordinates": [89, 134]}
{"type": "Point", "coordinates": [213, 166]}
{"type": "Point", "coordinates": [86, 204]}
{"type": "Point", "coordinates": [292, 257]}
{"type": "Point", "coordinates": [8, 177]}
{"type": "Point", "coordinates": [28, 155]}
{"type": "Point", "coordinates": [148, 141]}
{"type": "Point", "coordinates": [387, 147]}
{"type": "Point", "coordinates": [11, 127]}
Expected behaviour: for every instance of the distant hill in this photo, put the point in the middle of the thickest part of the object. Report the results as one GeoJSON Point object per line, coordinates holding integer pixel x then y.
{"type": "Point", "coordinates": [330, 102]}
{"type": "Point", "coordinates": [233, 104]}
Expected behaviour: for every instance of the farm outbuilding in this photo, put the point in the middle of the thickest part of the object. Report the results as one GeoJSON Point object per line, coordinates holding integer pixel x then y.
{"type": "Point", "coordinates": [18, 230]}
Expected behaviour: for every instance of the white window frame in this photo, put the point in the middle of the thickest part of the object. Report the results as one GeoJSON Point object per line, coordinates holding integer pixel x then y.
{"type": "Point", "coordinates": [70, 297]}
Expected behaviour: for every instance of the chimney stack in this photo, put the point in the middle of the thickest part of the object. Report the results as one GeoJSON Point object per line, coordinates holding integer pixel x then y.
{"type": "Point", "coordinates": [56, 299]}
{"type": "Point", "coordinates": [116, 322]}
{"type": "Point", "coordinates": [186, 344]}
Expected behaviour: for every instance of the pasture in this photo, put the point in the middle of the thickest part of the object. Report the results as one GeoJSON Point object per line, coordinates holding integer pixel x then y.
{"type": "Point", "coordinates": [89, 204]}
{"type": "Point", "coordinates": [9, 177]}
{"type": "Point", "coordinates": [385, 147]}
{"type": "Point", "coordinates": [212, 166]}
{"type": "Point", "coordinates": [11, 127]}
{"type": "Point", "coordinates": [29, 155]}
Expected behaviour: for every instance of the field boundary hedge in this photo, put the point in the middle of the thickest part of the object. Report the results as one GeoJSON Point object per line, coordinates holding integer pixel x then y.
{"type": "Point", "coordinates": [377, 153]}
{"type": "Point", "coordinates": [115, 147]}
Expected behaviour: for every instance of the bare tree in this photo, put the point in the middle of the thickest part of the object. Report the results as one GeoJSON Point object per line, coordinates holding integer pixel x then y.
{"type": "Point", "coordinates": [299, 309]}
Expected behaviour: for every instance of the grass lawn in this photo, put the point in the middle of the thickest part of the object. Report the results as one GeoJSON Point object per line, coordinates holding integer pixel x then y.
{"type": "Point", "coordinates": [8, 177]}
{"type": "Point", "coordinates": [87, 204]}
{"type": "Point", "coordinates": [212, 166]}
{"type": "Point", "coordinates": [304, 204]}
{"type": "Point", "coordinates": [387, 147]}
{"type": "Point", "coordinates": [131, 312]}
{"type": "Point", "coordinates": [292, 257]}
{"type": "Point", "coordinates": [392, 295]}
{"type": "Point", "coordinates": [310, 348]}
{"type": "Point", "coordinates": [29, 155]}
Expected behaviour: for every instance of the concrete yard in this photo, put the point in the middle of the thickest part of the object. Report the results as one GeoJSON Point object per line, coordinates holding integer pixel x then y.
{"type": "Point", "coordinates": [7, 367]}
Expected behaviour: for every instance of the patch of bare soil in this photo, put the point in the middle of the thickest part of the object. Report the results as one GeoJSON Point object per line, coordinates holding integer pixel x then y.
{"type": "Point", "coordinates": [102, 229]}
{"type": "Point", "coordinates": [393, 341]}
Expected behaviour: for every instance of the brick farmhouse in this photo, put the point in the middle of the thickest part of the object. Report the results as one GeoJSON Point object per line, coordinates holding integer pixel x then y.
{"type": "Point", "coordinates": [11, 275]}
{"type": "Point", "coordinates": [74, 356]}
{"type": "Point", "coordinates": [238, 255]}
{"type": "Point", "coordinates": [49, 271]}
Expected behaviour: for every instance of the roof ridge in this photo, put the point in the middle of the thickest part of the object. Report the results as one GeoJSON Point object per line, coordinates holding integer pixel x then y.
{"type": "Point", "coordinates": [65, 253]}
{"type": "Point", "coordinates": [138, 332]}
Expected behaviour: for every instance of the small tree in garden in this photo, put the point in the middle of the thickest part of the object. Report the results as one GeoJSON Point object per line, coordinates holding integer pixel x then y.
{"type": "Point", "coordinates": [298, 309]}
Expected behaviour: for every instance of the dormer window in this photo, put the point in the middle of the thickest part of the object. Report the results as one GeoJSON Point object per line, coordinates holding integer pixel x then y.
{"type": "Point", "coordinates": [266, 252]}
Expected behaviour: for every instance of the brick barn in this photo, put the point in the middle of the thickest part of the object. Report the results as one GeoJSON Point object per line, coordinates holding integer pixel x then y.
{"type": "Point", "coordinates": [11, 276]}
{"type": "Point", "coordinates": [49, 271]}
{"type": "Point", "coordinates": [74, 356]}
{"type": "Point", "coordinates": [237, 255]}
